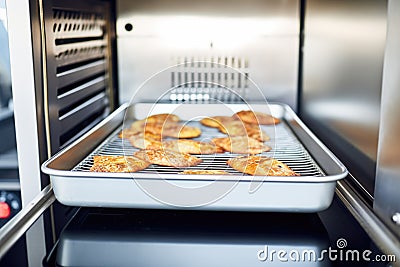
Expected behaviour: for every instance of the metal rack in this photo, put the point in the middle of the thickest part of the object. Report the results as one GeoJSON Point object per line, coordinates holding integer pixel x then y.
{"type": "Point", "coordinates": [285, 147]}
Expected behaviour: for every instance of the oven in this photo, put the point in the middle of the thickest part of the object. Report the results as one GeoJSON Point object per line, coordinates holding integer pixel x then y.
{"type": "Point", "coordinates": [82, 71]}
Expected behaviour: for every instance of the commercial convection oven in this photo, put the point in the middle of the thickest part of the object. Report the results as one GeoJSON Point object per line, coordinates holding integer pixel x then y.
{"type": "Point", "coordinates": [83, 71]}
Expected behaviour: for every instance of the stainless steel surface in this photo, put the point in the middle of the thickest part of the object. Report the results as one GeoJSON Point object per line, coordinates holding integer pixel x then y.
{"type": "Point", "coordinates": [258, 38]}
{"type": "Point", "coordinates": [387, 196]}
{"type": "Point", "coordinates": [342, 76]}
{"type": "Point", "coordinates": [25, 109]}
{"type": "Point", "coordinates": [26, 74]}
{"type": "Point", "coordinates": [56, 70]}
{"type": "Point", "coordinates": [382, 236]}
{"type": "Point", "coordinates": [396, 218]}
{"type": "Point", "coordinates": [77, 67]}
{"type": "Point", "coordinates": [20, 223]}
{"type": "Point", "coordinates": [273, 193]}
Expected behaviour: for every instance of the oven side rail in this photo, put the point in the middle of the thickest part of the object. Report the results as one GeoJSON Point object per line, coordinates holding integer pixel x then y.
{"type": "Point", "coordinates": [11, 232]}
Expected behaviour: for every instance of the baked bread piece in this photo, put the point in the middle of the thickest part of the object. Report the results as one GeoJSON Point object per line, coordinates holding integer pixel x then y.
{"type": "Point", "coordinates": [167, 158]}
{"type": "Point", "coordinates": [239, 128]}
{"type": "Point", "coordinates": [118, 164]}
{"type": "Point", "coordinates": [190, 146]}
{"type": "Point", "coordinates": [135, 128]}
{"type": "Point", "coordinates": [172, 129]}
{"type": "Point", "coordinates": [159, 121]}
{"type": "Point", "coordinates": [216, 121]}
{"type": "Point", "coordinates": [241, 145]}
{"type": "Point", "coordinates": [145, 141]}
{"type": "Point", "coordinates": [260, 165]}
{"type": "Point", "coordinates": [161, 118]}
{"type": "Point", "coordinates": [138, 125]}
{"type": "Point", "coordinates": [233, 128]}
{"type": "Point", "coordinates": [256, 117]}
{"type": "Point", "coordinates": [158, 129]}
{"type": "Point", "coordinates": [212, 172]}
{"type": "Point", "coordinates": [254, 131]}
{"type": "Point", "coordinates": [128, 133]}
{"type": "Point", "coordinates": [181, 131]}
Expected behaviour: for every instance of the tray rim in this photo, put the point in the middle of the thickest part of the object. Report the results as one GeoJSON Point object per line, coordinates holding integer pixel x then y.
{"type": "Point", "coordinates": [157, 176]}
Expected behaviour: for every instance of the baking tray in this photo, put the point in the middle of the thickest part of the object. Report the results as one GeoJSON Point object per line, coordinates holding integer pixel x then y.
{"type": "Point", "coordinates": [163, 187]}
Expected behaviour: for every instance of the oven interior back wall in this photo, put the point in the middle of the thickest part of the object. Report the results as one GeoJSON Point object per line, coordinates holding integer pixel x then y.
{"type": "Point", "coordinates": [210, 43]}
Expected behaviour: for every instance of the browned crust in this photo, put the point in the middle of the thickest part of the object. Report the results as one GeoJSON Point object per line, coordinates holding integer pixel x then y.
{"type": "Point", "coordinates": [233, 128]}
{"type": "Point", "coordinates": [260, 165]}
{"type": "Point", "coordinates": [158, 129]}
{"type": "Point", "coordinates": [128, 133]}
{"type": "Point", "coordinates": [240, 128]}
{"type": "Point", "coordinates": [249, 116]}
{"type": "Point", "coordinates": [168, 158]}
{"type": "Point", "coordinates": [145, 141]}
{"type": "Point", "coordinates": [172, 129]}
{"type": "Point", "coordinates": [118, 164]}
{"type": "Point", "coordinates": [161, 118]}
{"type": "Point", "coordinates": [216, 121]}
{"type": "Point", "coordinates": [241, 145]}
{"type": "Point", "coordinates": [181, 131]}
{"type": "Point", "coordinates": [254, 131]}
{"type": "Point", "coordinates": [190, 146]}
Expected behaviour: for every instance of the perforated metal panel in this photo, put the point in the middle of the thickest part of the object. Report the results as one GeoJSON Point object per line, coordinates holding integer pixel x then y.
{"type": "Point", "coordinates": [78, 67]}
{"type": "Point", "coordinates": [205, 78]}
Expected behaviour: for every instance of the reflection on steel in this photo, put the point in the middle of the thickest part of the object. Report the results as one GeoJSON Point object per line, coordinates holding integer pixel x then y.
{"type": "Point", "coordinates": [20, 223]}
{"type": "Point", "coordinates": [373, 226]}
{"type": "Point", "coordinates": [387, 196]}
{"type": "Point", "coordinates": [344, 48]}
{"type": "Point", "coordinates": [259, 38]}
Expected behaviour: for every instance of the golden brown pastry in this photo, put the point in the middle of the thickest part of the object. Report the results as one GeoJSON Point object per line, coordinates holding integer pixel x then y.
{"type": "Point", "coordinates": [172, 129]}
{"type": "Point", "coordinates": [233, 128]}
{"type": "Point", "coordinates": [161, 118]}
{"type": "Point", "coordinates": [216, 121]}
{"type": "Point", "coordinates": [138, 126]}
{"type": "Point", "coordinates": [168, 158]}
{"type": "Point", "coordinates": [135, 128]}
{"type": "Point", "coordinates": [239, 128]}
{"type": "Point", "coordinates": [128, 133]}
{"type": "Point", "coordinates": [145, 141]}
{"type": "Point", "coordinates": [241, 145]}
{"type": "Point", "coordinates": [181, 131]}
{"type": "Point", "coordinates": [256, 132]}
{"type": "Point", "coordinates": [260, 165]}
{"type": "Point", "coordinates": [152, 124]}
{"type": "Point", "coordinates": [190, 146]}
{"type": "Point", "coordinates": [118, 164]}
{"type": "Point", "coordinates": [256, 117]}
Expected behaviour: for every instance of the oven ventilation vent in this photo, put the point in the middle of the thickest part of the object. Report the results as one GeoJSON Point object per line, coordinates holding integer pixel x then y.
{"type": "Point", "coordinates": [78, 71]}
{"type": "Point", "coordinates": [219, 78]}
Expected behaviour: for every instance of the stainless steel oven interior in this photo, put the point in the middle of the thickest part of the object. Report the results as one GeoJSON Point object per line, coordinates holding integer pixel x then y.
{"type": "Point", "coordinates": [75, 65]}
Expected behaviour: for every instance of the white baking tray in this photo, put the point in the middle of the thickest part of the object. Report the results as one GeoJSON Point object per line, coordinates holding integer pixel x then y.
{"type": "Point", "coordinates": [164, 187]}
